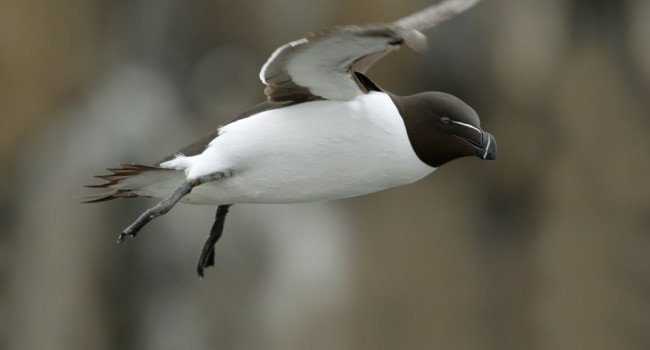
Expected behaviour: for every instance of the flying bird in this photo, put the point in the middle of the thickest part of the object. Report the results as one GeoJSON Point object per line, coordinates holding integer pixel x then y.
{"type": "Point", "coordinates": [326, 131]}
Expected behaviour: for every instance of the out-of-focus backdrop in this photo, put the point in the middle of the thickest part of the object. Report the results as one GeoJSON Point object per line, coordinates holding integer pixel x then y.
{"type": "Point", "coordinates": [548, 247]}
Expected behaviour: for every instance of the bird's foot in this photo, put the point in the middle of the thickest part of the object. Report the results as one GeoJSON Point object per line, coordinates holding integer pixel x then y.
{"type": "Point", "coordinates": [160, 209]}
{"type": "Point", "coordinates": [206, 259]}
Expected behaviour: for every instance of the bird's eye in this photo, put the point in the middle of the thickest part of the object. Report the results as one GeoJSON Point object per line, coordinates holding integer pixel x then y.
{"type": "Point", "coordinates": [445, 120]}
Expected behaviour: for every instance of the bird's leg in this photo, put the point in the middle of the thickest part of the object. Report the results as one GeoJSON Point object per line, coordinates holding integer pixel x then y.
{"type": "Point", "coordinates": [166, 204]}
{"type": "Point", "coordinates": [206, 258]}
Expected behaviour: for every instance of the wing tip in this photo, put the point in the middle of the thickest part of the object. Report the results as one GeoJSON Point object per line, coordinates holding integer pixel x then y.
{"type": "Point", "coordinates": [435, 14]}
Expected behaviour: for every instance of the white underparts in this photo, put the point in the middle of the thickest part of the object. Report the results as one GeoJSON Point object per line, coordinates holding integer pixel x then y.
{"type": "Point", "coordinates": [312, 151]}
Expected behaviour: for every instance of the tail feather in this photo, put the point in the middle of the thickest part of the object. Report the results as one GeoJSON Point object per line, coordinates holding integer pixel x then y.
{"type": "Point", "coordinates": [107, 196]}
{"type": "Point", "coordinates": [135, 180]}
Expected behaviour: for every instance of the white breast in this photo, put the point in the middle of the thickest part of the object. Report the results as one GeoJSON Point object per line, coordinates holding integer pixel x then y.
{"type": "Point", "coordinates": [312, 151]}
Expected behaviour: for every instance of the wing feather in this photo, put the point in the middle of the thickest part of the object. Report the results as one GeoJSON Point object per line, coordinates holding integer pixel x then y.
{"type": "Point", "coordinates": [319, 66]}
{"type": "Point", "coordinates": [434, 14]}
{"type": "Point", "coordinates": [322, 65]}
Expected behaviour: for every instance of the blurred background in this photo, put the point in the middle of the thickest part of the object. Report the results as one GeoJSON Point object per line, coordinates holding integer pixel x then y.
{"type": "Point", "coordinates": [545, 248]}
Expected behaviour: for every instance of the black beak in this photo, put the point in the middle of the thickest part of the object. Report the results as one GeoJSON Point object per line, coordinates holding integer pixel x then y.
{"type": "Point", "coordinates": [485, 147]}
{"type": "Point", "coordinates": [488, 147]}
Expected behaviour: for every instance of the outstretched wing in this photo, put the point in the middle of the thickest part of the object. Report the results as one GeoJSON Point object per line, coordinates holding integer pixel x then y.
{"type": "Point", "coordinates": [319, 65]}
{"type": "Point", "coordinates": [322, 65]}
{"type": "Point", "coordinates": [434, 15]}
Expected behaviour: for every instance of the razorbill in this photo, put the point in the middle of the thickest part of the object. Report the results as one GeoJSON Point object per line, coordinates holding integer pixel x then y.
{"type": "Point", "coordinates": [325, 132]}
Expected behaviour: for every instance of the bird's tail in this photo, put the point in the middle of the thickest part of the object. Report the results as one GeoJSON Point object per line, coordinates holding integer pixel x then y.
{"type": "Point", "coordinates": [136, 180]}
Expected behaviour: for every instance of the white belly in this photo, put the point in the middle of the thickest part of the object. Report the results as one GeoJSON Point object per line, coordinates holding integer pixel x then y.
{"type": "Point", "coordinates": [293, 154]}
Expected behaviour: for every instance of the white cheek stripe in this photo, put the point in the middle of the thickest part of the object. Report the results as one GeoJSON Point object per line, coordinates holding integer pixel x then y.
{"type": "Point", "coordinates": [467, 125]}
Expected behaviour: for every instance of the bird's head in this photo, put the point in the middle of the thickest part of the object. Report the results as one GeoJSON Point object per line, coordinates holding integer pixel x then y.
{"type": "Point", "coordinates": [442, 128]}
